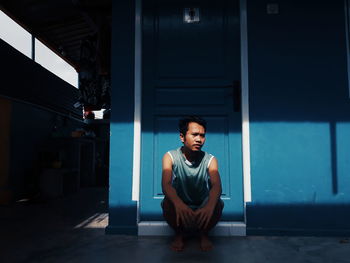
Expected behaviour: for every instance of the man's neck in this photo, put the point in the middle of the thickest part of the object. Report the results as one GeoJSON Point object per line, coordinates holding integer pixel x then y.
{"type": "Point", "coordinates": [191, 155]}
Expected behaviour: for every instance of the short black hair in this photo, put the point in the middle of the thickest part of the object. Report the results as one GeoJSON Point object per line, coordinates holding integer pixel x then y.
{"type": "Point", "coordinates": [183, 123]}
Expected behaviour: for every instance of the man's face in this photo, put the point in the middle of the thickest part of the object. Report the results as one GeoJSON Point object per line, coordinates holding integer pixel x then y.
{"type": "Point", "coordinates": [195, 137]}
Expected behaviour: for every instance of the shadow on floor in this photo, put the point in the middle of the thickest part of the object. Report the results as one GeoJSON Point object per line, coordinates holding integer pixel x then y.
{"type": "Point", "coordinates": [71, 229]}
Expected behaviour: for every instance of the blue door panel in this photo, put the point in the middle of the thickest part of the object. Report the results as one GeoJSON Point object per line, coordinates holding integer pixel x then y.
{"type": "Point", "coordinates": [188, 42]}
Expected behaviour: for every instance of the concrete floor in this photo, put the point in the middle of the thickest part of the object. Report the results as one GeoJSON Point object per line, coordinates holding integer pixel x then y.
{"type": "Point", "coordinates": [71, 229]}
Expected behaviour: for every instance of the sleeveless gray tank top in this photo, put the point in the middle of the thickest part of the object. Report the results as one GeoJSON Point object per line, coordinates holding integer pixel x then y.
{"type": "Point", "coordinates": [191, 180]}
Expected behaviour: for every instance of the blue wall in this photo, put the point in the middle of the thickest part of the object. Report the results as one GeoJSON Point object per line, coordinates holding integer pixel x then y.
{"type": "Point", "coordinates": [122, 210]}
{"type": "Point", "coordinates": [299, 119]}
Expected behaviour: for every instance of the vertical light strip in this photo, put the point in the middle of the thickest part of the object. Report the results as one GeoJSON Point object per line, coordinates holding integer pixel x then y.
{"type": "Point", "coordinates": [245, 103]}
{"type": "Point", "coordinates": [347, 18]}
{"type": "Point", "coordinates": [137, 111]}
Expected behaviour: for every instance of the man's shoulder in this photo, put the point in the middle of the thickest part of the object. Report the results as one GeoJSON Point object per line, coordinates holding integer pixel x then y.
{"type": "Point", "coordinates": [173, 154]}
{"type": "Point", "coordinates": [208, 155]}
{"type": "Point", "coordinates": [173, 151]}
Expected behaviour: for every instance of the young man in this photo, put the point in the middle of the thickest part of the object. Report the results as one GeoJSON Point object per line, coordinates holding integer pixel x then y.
{"type": "Point", "coordinates": [191, 185]}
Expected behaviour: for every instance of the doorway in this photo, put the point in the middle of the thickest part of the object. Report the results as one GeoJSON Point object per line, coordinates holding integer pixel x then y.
{"type": "Point", "coordinates": [191, 66]}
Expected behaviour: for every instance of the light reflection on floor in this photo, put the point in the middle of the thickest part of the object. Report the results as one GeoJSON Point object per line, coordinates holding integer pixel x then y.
{"type": "Point", "coordinates": [98, 220]}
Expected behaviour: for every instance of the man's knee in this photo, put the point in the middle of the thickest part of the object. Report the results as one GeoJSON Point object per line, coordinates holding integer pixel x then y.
{"type": "Point", "coordinates": [167, 206]}
{"type": "Point", "coordinates": [218, 210]}
{"type": "Point", "coordinates": [169, 212]}
{"type": "Point", "coordinates": [219, 206]}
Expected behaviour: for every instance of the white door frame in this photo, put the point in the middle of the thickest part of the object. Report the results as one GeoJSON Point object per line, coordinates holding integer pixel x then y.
{"type": "Point", "coordinates": [161, 227]}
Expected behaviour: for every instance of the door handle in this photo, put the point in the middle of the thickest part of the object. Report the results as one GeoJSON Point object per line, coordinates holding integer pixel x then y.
{"type": "Point", "coordinates": [236, 90]}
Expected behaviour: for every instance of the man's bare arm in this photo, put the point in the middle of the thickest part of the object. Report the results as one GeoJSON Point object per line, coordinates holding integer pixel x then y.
{"type": "Point", "coordinates": [204, 214]}
{"type": "Point", "coordinates": [216, 189]}
{"type": "Point", "coordinates": [183, 212]}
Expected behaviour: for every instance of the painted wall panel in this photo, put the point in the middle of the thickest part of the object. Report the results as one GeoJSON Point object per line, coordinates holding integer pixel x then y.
{"type": "Point", "coordinates": [297, 156]}
{"type": "Point", "coordinates": [122, 210]}
{"type": "Point", "coordinates": [299, 113]}
{"type": "Point", "coordinates": [342, 155]}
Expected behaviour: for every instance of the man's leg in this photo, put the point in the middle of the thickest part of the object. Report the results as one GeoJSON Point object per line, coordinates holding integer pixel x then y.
{"type": "Point", "coordinates": [216, 216]}
{"type": "Point", "coordinates": [169, 214]}
{"type": "Point", "coordinates": [205, 243]}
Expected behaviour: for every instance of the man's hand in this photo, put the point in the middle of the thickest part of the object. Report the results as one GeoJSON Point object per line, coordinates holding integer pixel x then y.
{"type": "Point", "coordinates": [184, 214]}
{"type": "Point", "coordinates": [203, 216]}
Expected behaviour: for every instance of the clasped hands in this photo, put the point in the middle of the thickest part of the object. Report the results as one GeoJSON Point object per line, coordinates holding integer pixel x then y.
{"type": "Point", "coordinates": [200, 217]}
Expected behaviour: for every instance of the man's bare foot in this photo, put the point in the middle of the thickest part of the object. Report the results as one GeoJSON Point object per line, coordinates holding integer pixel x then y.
{"type": "Point", "coordinates": [178, 243]}
{"type": "Point", "coordinates": [205, 243]}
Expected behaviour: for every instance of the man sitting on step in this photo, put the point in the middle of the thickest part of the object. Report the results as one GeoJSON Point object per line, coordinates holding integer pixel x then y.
{"type": "Point", "coordinates": [191, 185]}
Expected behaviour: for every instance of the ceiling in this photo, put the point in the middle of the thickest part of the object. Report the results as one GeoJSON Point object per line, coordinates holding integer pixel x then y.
{"type": "Point", "coordinates": [61, 24]}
